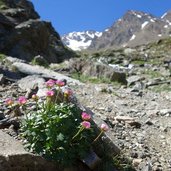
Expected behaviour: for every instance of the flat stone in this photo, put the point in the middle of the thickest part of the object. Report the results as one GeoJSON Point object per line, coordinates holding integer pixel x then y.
{"type": "Point", "coordinates": [165, 111]}
{"type": "Point", "coordinates": [106, 143]}
{"type": "Point", "coordinates": [38, 70]}
{"type": "Point", "coordinates": [124, 118]}
{"type": "Point", "coordinates": [14, 157]}
{"type": "Point", "coordinates": [133, 79]}
{"type": "Point", "coordinates": [136, 162]}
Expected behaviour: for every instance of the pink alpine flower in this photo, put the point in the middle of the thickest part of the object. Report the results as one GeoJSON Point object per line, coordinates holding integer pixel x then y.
{"type": "Point", "coordinates": [104, 127]}
{"type": "Point", "coordinates": [50, 83]}
{"type": "Point", "coordinates": [60, 83]}
{"type": "Point", "coordinates": [86, 124]}
{"type": "Point", "coordinates": [68, 92]}
{"type": "Point", "coordinates": [22, 100]}
{"type": "Point", "coordinates": [85, 116]}
{"type": "Point", "coordinates": [35, 97]}
{"type": "Point", "coordinates": [9, 101]}
{"type": "Point", "coordinates": [50, 93]}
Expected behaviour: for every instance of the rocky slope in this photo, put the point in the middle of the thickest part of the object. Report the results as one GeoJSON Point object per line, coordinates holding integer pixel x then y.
{"type": "Point", "coordinates": [134, 28]}
{"type": "Point", "coordinates": [138, 113]}
{"type": "Point", "coordinates": [24, 35]}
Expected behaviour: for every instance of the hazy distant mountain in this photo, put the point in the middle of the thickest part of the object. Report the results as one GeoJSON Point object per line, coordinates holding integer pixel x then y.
{"type": "Point", "coordinates": [134, 28]}
{"type": "Point", "coordinates": [80, 40]}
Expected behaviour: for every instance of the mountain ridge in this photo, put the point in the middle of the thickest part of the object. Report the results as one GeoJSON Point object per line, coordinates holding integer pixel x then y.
{"type": "Point", "coordinates": [134, 28]}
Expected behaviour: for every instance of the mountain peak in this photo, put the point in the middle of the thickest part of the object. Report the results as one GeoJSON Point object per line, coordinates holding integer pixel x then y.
{"type": "Point", "coordinates": [134, 28]}
{"type": "Point", "coordinates": [80, 40]}
{"type": "Point", "coordinates": [166, 16]}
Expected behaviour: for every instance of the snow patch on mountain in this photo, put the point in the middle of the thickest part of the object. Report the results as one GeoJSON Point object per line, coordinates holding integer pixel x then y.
{"type": "Point", "coordinates": [80, 40]}
{"type": "Point", "coordinates": [166, 26]}
{"type": "Point", "coordinates": [163, 15]}
{"type": "Point", "coordinates": [136, 14]}
{"type": "Point", "coordinates": [144, 24]}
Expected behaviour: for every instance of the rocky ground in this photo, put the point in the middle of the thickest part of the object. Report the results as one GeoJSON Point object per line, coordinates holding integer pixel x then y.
{"type": "Point", "coordinates": [137, 109]}
{"type": "Point", "coordinates": [139, 113]}
{"type": "Point", "coordinates": [140, 123]}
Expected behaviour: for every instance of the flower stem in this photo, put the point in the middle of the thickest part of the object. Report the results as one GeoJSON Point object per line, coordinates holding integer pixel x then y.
{"type": "Point", "coordinates": [48, 103]}
{"type": "Point", "coordinates": [57, 94]}
{"type": "Point", "coordinates": [80, 130]}
{"type": "Point", "coordinates": [36, 106]}
{"type": "Point", "coordinates": [98, 136]}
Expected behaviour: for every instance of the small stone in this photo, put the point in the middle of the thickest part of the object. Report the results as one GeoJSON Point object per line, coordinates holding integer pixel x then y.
{"type": "Point", "coordinates": [148, 122]}
{"type": "Point", "coordinates": [147, 167]}
{"type": "Point", "coordinates": [142, 155]}
{"type": "Point", "coordinates": [124, 118]}
{"type": "Point", "coordinates": [109, 109]}
{"type": "Point", "coordinates": [136, 162]}
{"type": "Point", "coordinates": [2, 79]}
{"type": "Point", "coordinates": [163, 112]}
{"type": "Point", "coordinates": [134, 154]}
{"type": "Point", "coordinates": [162, 137]}
{"type": "Point", "coordinates": [134, 123]}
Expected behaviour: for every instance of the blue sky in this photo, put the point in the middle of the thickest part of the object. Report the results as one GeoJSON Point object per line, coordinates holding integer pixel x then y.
{"type": "Point", "coordinates": [79, 15]}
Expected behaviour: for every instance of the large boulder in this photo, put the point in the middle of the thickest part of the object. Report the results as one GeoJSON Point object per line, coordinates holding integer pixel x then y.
{"type": "Point", "coordinates": [24, 35]}
{"type": "Point", "coordinates": [19, 10]}
{"type": "Point", "coordinates": [13, 157]}
{"type": "Point", "coordinates": [46, 73]}
{"type": "Point", "coordinates": [98, 70]}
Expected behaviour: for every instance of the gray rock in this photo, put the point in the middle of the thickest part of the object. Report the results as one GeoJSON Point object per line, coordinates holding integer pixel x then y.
{"type": "Point", "coordinates": [20, 10]}
{"type": "Point", "coordinates": [7, 122]}
{"type": "Point", "coordinates": [149, 122]}
{"type": "Point", "coordinates": [97, 70]}
{"type": "Point", "coordinates": [17, 22]}
{"type": "Point", "coordinates": [2, 116]}
{"type": "Point", "coordinates": [2, 79]}
{"type": "Point", "coordinates": [133, 79]}
{"type": "Point", "coordinates": [12, 59]}
{"type": "Point", "coordinates": [164, 112]}
{"type": "Point", "coordinates": [137, 87]}
{"type": "Point", "coordinates": [13, 157]}
{"type": "Point", "coordinates": [147, 167]}
{"type": "Point", "coordinates": [31, 81]}
{"type": "Point", "coordinates": [38, 70]}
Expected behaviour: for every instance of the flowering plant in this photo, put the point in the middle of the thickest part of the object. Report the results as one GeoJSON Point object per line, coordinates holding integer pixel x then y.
{"type": "Point", "coordinates": [57, 130]}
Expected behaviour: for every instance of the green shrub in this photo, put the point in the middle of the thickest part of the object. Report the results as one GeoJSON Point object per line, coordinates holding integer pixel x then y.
{"type": "Point", "coordinates": [56, 130]}
{"type": "Point", "coordinates": [49, 133]}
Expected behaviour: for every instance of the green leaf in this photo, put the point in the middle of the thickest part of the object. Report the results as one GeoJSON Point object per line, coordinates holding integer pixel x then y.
{"type": "Point", "coordinates": [60, 137]}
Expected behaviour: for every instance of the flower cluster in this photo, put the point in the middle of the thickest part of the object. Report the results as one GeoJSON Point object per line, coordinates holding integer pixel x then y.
{"type": "Point", "coordinates": [57, 84]}
{"type": "Point", "coordinates": [56, 129]}
{"type": "Point", "coordinates": [51, 83]}
{"type": "Point", "coordinates": [21, 101]}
